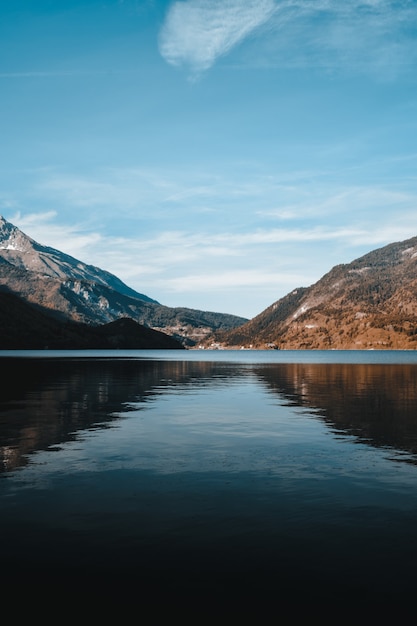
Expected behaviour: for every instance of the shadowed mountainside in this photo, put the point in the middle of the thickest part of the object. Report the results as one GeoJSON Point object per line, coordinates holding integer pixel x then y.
{"type": "Point", "coordinates": [27, 327]}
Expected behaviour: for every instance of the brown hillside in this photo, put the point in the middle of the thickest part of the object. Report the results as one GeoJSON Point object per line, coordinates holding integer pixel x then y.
{"type": "Point", "coordinates": [369, 303]}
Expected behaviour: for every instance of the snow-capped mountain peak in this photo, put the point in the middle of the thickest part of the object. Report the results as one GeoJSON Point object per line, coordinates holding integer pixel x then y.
{"type": "Point", "coordinates": [23, 252]}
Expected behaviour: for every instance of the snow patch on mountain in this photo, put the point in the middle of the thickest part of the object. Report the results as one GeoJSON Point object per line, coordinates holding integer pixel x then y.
{"type": "Point", "coordinates": [25, 253]}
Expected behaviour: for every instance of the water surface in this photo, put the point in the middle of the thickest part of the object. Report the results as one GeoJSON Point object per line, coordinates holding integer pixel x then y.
{"type": "Point", "coordinates": [241, 479]}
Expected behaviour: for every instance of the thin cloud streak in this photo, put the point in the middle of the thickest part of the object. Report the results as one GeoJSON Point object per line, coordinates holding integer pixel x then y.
{"type": "Point", "coordinates": [358, 36]}
{"type": "Point", "coordinates": [232, 280]}
{"type": "Point", "coordinates": [155, 193]}
{"type": "Point", "coordinates": [176, 247]}
{"type": "Point", "coordinates": [229, 242]}
{"type": "Point", "coordinates": [71, 239]}
{"type": "Point", "coordinates": [327, 202]}
{"type": "Point", "coordinates": [197, 32]}
{"type": "Point", "coordinates": [66, 73]}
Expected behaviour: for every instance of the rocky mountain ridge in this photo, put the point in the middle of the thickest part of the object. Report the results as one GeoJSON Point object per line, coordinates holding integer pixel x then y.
{"type": "Point", "coordinates": [71, 290]}
{"type": "Point", "coordinates": [24, 253]}
{"type": "Point", "coordinates": [370, 303]}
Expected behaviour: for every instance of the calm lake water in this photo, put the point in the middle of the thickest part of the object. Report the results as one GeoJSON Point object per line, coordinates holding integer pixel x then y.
{"type": "Point", "coordinates": [244, 480]}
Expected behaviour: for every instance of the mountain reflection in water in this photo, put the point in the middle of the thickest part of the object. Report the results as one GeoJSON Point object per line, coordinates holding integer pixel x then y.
{"type": "Point", "coordinates": [375, 403]}
{"type": "Point", "coordinates": [211, 483]}
{"type": "Point", "coordinates": [45, 403]}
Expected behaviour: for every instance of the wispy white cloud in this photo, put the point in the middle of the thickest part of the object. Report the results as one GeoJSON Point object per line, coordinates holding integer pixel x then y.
{"type": "Point", "coordinates": [242, 197]}
{"type": "Point", "coordinates": [197, 32]}
{"type": "Point", "coordinates": [356, 35]}
{"type": "Point", "coordinates": [71, 238]}
{"type": "Point", "coordinates": [340, 201]}
{"type": "Point", "coordinates": [359, 34]}
{"type": "Point", "coordinates": [170, 248]}
{"type": "Point", "coordinates": [125, 188]}
{"type": "Point", "coordinates": [231, 280]}
{"type": "Point", "coordinates": [290, 227]}
{"type": "Point", "coordinates": [172, 215]}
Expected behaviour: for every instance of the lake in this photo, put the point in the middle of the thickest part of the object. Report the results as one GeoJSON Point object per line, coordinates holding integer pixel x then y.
{"type": "Point", "coordinates": [212, 480]}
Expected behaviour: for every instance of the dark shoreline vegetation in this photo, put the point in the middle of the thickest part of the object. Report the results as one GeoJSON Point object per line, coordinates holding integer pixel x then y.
{"type": "Point", "coordinates": [26, 327]}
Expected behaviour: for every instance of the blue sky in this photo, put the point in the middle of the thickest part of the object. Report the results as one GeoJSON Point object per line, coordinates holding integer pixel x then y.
{"type": "Point", "coordinates": [212, 154]}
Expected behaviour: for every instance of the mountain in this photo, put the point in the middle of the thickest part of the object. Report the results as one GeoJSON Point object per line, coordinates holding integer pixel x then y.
{"type": "Point", "coordinates": [26, 326]}
{"type": "Point", "coordinates": [72, 290]}
{"type": "Point", "coordinates": [23, 252]}
{"type": "Point", "coordinates": [370, 303]}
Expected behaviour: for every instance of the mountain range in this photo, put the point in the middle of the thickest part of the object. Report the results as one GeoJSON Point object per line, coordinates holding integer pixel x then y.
{"type": "Point", "coordinates": [50, 299]}
{"type": "Point", "coordinates": [68, 290]}
{"type": "Point", "coordinates": [370, 303]}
